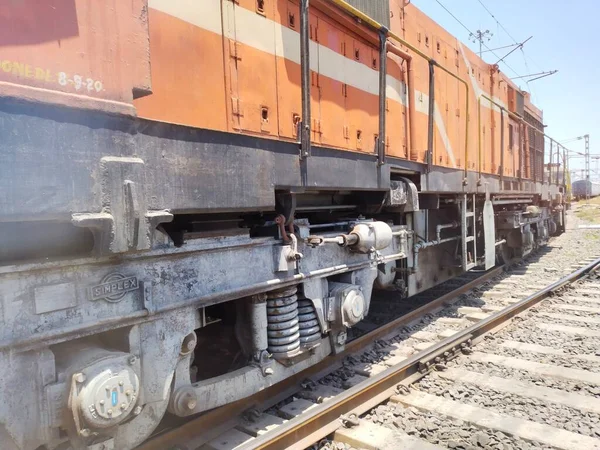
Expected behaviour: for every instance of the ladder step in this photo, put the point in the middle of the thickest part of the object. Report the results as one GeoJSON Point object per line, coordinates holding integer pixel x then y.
{"type": "Point", "coordinates": [470, 239]}
{"type": "Point", "coordinates": [470, 266]}
{"type": "Point", "coordinates": [470, 214]}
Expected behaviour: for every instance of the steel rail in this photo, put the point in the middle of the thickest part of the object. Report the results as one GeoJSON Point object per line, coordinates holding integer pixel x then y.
{"type": "Point", "coordinates": [325, 418]}
{"type": "Point", "coordinates": [211, 420]}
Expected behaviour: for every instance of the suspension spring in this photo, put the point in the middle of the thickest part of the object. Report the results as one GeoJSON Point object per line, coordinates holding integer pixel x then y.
{"type": "Point", "coordinates": [283, 330]}
{"type": "Point", "coordinates": [310, 331]}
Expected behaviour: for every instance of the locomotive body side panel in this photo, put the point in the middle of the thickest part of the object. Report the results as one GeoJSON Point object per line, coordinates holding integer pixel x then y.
{"type": "Point", "coordinates": [75, 52]}
{"type": "Point", "coordinates": [261, 60]}
{"type": "Point", "coordinates": [187, 65]}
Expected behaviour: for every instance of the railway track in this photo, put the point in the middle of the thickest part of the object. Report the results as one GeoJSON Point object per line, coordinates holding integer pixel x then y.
{"type": "Point", "coordinates": [226, 420]}
{"type": "Point", "coordinates": [301, 412]}
{"type": "Point", "coordinates": [525, 381]}
{"type": "Point", "coordinates": [335, 404]}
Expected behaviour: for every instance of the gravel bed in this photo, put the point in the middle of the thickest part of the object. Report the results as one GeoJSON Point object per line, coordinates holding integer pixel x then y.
{"type": "Point", "coordinates": [444, 431]}
{"type": "Point", "coordinates": [327, 444]}
{"type": "Point", "coordinates": [562, 300]}
{"type": "Point", "coordinates": [563, 320]}
{"type": "Point", "coordinates": [430, 325]}
{"type": "Point", "coordinates": [570, 248]}
{"type": "Point", "coordinates": [568, 343]}
{"type": "Point", "coordinates": [571, 313]}
{"type": "Point", "coordinates": [565, 361]}
{"type": "Point", "coordinates": [337, 378]}
{"type": "Point", "coordinates": [553, 414]}
{"type": "Point", "coordinates": [523, 375]}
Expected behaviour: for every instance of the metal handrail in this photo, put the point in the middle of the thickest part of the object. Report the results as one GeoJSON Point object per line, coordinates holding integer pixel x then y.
{"type": "Point", "coordinates": [525, 124]}
{"type": "Point", "coordinates": [384, 32]}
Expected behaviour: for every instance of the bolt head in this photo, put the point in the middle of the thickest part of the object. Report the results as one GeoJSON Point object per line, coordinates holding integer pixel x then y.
{"type": "Point", "coordinates": [80, 378]}
{"type": "Point", "coordinates": [85, 432]}
{"type": "Point", "coordinates": [121, 383]}
{"type": "Point", "coordinates": [137, 410]}
{"type": "Point", "coordinates": [109, 412]}
{"type": "Point", "coordinates": [101, 402]}
{"type": "Point", "coordinates": [191, 403]}
{"type": "Point", "coordinates": [269, 371]}
{"type": "Point", "coordinates": [123, 407]}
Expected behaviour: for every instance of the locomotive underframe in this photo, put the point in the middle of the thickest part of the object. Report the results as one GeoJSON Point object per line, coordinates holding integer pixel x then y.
{"type": "Point", "coordinates": [133, 302]}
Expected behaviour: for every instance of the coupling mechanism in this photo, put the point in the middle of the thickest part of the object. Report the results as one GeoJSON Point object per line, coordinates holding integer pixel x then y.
{"type": "Point", "coordinates": [365, 237]}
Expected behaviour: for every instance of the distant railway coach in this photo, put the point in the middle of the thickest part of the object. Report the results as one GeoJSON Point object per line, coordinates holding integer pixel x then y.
{"type": "Point", "coordinates": [199, 198]}
{"type": "Point", "coordinates": [585, 189]}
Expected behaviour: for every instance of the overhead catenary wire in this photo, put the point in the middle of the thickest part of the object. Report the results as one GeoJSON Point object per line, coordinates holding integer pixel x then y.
{"type": "Point", "coordinates": [519, 47]}
{"type": "Point", "coordinates": [497, 21]}
{"type": "Point", "coordinates": [471, 33]}
{"type": "Point", "coordinates": [525, 57]}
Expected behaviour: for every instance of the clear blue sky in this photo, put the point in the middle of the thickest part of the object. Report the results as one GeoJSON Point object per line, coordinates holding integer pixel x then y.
{"type": "Point", "coordinates": [565, 38]}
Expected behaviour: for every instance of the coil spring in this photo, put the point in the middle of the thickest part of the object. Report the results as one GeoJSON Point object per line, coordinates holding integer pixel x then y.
{"type": "Point", "coordinates": [283, 330]}
{"type": "Point", "coordinates": [310, 331]}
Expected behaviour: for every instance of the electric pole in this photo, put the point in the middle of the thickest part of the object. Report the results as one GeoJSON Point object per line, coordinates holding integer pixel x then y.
{"type": "Point", "coordinates": [481, 36]}
{"type": "Point", "coordinates": [588, 186]}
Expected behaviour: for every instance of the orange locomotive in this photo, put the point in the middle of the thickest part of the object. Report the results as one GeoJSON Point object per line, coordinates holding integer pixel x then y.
{"type": "Point", "coordinates": [198, 198]}
{"type": "Point", "coordinates": [245, 77]}
{"type": "Point", "coordinates": [235, 67]}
